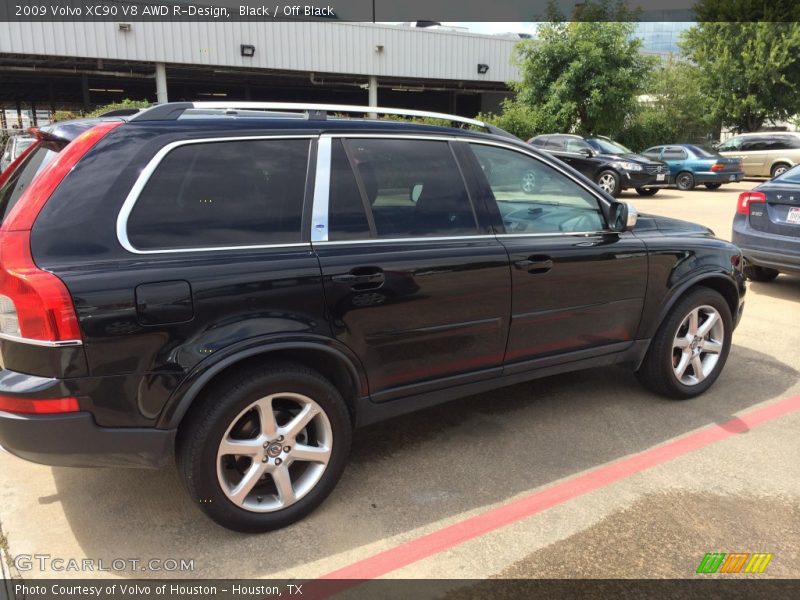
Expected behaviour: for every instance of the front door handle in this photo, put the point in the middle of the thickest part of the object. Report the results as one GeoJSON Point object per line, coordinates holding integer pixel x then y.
{"type": "Point", "coordinates": [361, 279]}
{"type": "Point", "coordinates": [535, 264]}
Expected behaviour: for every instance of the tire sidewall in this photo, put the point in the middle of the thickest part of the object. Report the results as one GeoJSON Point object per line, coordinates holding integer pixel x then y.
{"type": "Point", "coordinates": [672, 324]}
{"type": "Point", "coordinates": [690, 181]}
{"type": "Point", "coordinates": [200, 457]}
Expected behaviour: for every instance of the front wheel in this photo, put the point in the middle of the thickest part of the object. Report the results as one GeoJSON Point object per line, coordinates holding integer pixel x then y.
{"type": "Point", "coordinates": [531, 182]}
{"type": "Point", "coordinates": [646, 191]}
{"type": "Point", "coordinates": [264, 448]}
{"type": "Point", "coordinates": [609, 182]}
{"type": "Point", "coordinates": [691, 346]}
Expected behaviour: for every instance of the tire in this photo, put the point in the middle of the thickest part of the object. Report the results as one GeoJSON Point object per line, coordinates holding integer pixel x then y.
{"type": "Point", "coordinates": [760, 274]}
{"type": "Point", "coordinates": [646, 191]}
{"type": "Point", "coordinates": [609, 182]}
{"type": "Point", "coordinates": [231, 409]}
{"type": "Point", "coordinates": [713, 186]}
{"type": "Point", "coordinates": [778, 169]}
{"type": "Point", "coordinates": [685, 181]}
{"type": "Point", "coordinates": [669, 367]}
{"type": "Point", "coordinates": [531, 182]}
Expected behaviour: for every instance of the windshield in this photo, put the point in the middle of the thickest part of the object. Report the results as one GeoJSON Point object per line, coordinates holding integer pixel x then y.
{"type": "Point", "coordinates": [790, 176]}
{"type": "Point", "coordinates": [608, 147]}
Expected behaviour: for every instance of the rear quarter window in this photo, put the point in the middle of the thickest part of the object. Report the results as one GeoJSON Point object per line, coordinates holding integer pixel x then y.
{"type": "Point", "coordinates": [223, 194]}
{"type": "Point", "coordinates": [19, 181]}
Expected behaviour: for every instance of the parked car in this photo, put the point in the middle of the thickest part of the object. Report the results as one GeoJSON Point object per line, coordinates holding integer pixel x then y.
{"type": "Point", "coordinates": [767, 227]}
{"type": "Point", "coordinates": [15, 145]}
{"type": "Point", "coordinates": [237, 291]}
{"type": "Point", "coordinates": [611, 166]}
{"type": "Point", "coordinates": [691, 165]}
{"type": "Point", "coordinates": [764, 154]}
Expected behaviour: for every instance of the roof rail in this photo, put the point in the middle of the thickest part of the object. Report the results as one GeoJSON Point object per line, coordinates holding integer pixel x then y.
{"type": "Point", "coordinates": [172, 111]}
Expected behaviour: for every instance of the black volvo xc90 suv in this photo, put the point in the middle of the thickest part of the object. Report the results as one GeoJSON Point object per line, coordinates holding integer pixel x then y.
{"type": "Point", "coordinates": [236, 287]}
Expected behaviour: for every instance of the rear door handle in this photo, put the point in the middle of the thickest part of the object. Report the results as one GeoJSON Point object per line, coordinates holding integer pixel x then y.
{"type": "Point", "coordinates": [361, 279]}
{"type": "Point", "coordinates": [535, 264]}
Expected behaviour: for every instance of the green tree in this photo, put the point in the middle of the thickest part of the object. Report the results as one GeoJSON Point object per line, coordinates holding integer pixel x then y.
{"type": "Point", "coordinates": [579, 76]}
{"type": "Point", "coordinates": [750, 71]}
{"type": "Point", "coordinates": [674, 109]}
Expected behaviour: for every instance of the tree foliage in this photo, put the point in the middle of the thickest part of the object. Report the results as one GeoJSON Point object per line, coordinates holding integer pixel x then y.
{"type": "Point", "coordinates": [750, 71]}
{"type": "Point", "coordinates": [577, 76]}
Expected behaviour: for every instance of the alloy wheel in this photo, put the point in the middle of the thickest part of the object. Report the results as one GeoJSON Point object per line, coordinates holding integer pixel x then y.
{"type": "Point", "coordinates": [529, 182]}
{"type": "Point", "coordinates": [698, 344]}
{"type": "Point", "coordinates": [607, 183]}
{"type": "Point", "coordinates": [274, 452]}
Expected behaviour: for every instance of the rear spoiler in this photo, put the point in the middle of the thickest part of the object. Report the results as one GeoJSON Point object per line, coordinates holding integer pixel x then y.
{"type": "Point", "coordinates": [56, 136]}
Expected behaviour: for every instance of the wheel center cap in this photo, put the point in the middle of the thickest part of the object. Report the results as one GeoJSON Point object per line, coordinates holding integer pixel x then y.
{"type": "Point", "coordinates": [274, 450]}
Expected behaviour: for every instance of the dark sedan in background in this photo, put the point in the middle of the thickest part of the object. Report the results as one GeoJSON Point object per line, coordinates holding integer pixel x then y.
{"type": "Point", "coordinates": [767, 227]}
{"type": "Point", "coordinates": [691, 165]}
{"type": "Point", "coordinates": [611, 166]}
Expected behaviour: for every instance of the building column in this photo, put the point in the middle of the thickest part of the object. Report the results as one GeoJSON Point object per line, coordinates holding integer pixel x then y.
{"type": "Point", "coordinates": [161, 83]}
{"type": "Point", "coordinates": [373, 94]}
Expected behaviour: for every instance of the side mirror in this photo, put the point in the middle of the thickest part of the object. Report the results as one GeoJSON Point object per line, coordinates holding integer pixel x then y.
{"type": "Point", "coordinates": [586, 152]}
{"type": "Point", "coordinates": [415, 193]}
{"type": "Point", "coordinates": [622, 216]}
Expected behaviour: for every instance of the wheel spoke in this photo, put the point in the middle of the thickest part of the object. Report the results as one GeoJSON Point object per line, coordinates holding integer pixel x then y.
{"type": "Point", "coordinates": [712, 346]}
{"type": "Point", "coordinates": [266, 417]}
{"type": "Point", "coordinates": [240, 447]}
{"type": "Point", "coordinates": [682, 342]}
{"type": "Point", "coordinates": [680, 368]}
{"type": "Point", "coordinates": [697, 367]}
{"type": "Point", "coordinates": [310, 453]}
{"type": "Point", "coordinates": [302, 419]}
{"type": "Point", "coordinates": [283, 482]}
{"type": "Point", "coordinates": [694, 317]}
{"type": "Point", "coordinates": [245, 486]}
{"type": "Point", "coordinates": [705, 328]}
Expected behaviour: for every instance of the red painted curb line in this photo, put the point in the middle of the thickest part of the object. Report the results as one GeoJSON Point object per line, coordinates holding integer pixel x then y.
{"type": "Point", "coordinates": [526, 506]}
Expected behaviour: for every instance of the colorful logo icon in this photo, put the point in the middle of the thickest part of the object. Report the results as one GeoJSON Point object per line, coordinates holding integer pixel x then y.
{"type": "Point", "coordinates": [734, 562]}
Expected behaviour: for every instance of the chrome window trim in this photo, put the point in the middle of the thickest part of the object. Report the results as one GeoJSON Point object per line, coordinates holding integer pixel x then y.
{"type": "Point", "coordinates": [46, 343]}
{"type": "Point", "coordinates": [149, 169]}
{"type": "Point", "coordinates": [452, 238]}
{"type": "Point", "coordinates": [322, 190]}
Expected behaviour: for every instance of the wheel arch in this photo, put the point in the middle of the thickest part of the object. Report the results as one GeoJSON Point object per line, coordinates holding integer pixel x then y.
{"type": "Point", "coordinates": [336, 364]}
{"type": "Point", "coordinates": [718, 282]}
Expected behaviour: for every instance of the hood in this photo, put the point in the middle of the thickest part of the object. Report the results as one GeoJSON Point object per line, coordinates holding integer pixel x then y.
{"type": "Point", "coordinates": [667, 225]}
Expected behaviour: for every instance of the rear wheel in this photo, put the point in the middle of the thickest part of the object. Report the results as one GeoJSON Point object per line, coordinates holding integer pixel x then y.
{"type": "Point", "coordinates": [265, 448]}
{"type": "Point", "coordinates": [691, 346]}
{"type": "Point", "coordinates": [713, 186]}
{"type": "Point", "coordinates": [609, 182]}
{"type": "Point", "coordinates": [779, 169]}
{"type": "Point", "coordinates": [646, 191]}
{"type": "Point", "coordinates": [685, 181]}
{"type": "Point", "coordinates": [761, 274]}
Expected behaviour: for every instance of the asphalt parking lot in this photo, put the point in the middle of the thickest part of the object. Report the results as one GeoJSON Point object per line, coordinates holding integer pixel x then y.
{"type": "Point", "coordinates": [579, 475]}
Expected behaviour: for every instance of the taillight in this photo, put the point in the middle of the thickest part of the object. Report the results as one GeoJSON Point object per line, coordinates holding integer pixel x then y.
{"type": "Point", "coordinates": [38, 406]}
{"type": "Point", "coordinates": [717, 167]}
{"type": "Point", "coordinates": [35, 304]}
{"type": "Point", "coordinates": [748, 198]}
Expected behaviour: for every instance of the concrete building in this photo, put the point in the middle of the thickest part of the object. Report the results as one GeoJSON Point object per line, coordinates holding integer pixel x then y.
{"type": "Point", "coordinates": [47, 66]}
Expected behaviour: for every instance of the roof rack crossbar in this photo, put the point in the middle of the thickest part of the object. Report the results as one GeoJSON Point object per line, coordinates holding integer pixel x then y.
{"type": "Point", "coordinates": [172, 111]}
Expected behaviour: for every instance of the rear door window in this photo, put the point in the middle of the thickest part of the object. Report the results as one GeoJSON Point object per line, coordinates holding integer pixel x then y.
{"type": "Point", "coordinates": [674, 154]}
{"type": "Point", "coordinates": [413, 188]}
{"type": "Point", "coordinates": [223, 194]}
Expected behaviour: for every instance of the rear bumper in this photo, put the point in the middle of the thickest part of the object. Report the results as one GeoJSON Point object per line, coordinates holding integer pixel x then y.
{"type": "Point", "coordinates": [766, 249]}
{"type": "Point", "coordinates": [718, 177]}
{"type": "Point", "coordinates": [74, 440]}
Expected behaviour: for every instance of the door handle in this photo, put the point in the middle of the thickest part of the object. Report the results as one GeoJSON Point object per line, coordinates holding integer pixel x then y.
{"type": "Point", "coordinates": [535, 264]}
{"type": "Point", "coordinates": [359, 279]}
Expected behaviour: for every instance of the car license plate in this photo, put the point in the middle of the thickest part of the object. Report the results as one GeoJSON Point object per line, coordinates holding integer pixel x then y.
{"type": "Point", "coordinates": [660, 177]}
{"type": "Point", "coordinates": [732, 178]}
{"type": "Point", "coordinates": [794, 215]}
